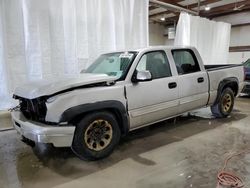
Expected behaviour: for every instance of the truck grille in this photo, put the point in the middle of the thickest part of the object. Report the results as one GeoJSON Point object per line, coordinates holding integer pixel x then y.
{"type": "Point", "coordinates": [33, 109]}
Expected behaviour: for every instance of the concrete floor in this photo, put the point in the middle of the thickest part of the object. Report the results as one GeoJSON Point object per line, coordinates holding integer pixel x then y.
{"type": "Point", "coordinates": [184, 153]}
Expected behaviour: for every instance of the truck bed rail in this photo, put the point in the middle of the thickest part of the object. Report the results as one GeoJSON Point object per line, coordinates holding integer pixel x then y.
{"type": "Point", "coordinates": [220, 66]}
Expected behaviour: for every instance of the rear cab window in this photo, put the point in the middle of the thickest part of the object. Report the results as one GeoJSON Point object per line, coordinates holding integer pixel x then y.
{"type": "Point", "coordinates": [185, 61]}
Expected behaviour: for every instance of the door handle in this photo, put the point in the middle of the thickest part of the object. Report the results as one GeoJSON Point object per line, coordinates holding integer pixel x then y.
{"type": "Point", "coordinates": [172, 85]}
{"type": "Point", "coordinates": [200, 80]}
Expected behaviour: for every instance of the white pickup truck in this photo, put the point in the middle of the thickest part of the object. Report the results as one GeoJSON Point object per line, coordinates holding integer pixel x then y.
{"type": "Point", "coordinates": [120, 92]}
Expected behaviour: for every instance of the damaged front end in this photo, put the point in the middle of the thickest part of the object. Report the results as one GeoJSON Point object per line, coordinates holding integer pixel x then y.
{"type": "Point", "coordinates": [33, 109]}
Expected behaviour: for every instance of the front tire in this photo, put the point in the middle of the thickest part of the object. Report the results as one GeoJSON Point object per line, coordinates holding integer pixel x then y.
{"type": "Point", "coordinates": [96, 136]}
{"type": "Point", "coordinates": [225, 104]}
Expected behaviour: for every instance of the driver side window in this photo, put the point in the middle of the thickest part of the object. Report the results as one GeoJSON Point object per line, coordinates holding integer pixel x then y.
{"type": "Point", "coordinates": [156, 63]}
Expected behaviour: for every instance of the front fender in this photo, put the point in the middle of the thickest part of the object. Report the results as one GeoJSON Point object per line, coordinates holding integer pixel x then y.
{"type": "Point", "coordinates": [115, 106]}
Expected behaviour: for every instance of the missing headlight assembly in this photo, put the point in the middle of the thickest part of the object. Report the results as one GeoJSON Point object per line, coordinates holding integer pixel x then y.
{"type": "Point", "coordinates": [33, 109]}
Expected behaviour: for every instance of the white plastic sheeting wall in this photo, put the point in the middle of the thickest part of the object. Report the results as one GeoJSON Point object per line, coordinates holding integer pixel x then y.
{"type": "Point", "coordinates": [209, 37]}
{"type": "Point", "coordinates": [44, 38]}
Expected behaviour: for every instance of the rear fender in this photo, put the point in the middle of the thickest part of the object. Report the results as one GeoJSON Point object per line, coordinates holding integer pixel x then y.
{"type": "Point", "coordinates": [227, 82]}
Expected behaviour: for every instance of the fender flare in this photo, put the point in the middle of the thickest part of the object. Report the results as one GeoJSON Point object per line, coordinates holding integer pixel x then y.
{"type": "Point", "coordinates": [116, 107]}
{"type": "Point", "coordinates": [222, 85]}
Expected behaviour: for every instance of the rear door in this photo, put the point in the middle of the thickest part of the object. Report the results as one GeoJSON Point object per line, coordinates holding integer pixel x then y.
{"type": "Point", "coordinates": [193, 80]}
{"type": "Point", "coordinates": [153, 100]}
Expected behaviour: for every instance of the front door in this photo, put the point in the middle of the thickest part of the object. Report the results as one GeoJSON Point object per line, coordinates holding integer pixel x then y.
{"type": "Point", "coordinates": [153, 100]}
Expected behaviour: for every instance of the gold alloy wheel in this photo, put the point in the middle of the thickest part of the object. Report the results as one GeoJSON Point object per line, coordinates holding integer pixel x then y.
{"type": "Point", "coordinates": [226, 102]}
{"type": "Point", "coordinates": [98, 135]}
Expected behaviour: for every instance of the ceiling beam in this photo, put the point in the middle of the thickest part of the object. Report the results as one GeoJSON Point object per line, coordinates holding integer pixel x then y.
{"type": "Point", "coordinates": [152, 7]}
{"type": "Point", "coordinates": [162, 13]}
{"type": "Point", "coordinates": [171, 7]}
{"type": "Point", "coordinates": [166, 1]}
{"type": "Point", "coordinates": [173, 2]}
{"type": "Point", "coordinates": [194, 5]}
{"type": "Point", "coordinates": [225, 9]}
{"type": "Point", "coordinates": [246, 9]}
{"type": "Point", "coordinates": [202, 3]}
{"type": "Point", "coordinates": [169, 21]}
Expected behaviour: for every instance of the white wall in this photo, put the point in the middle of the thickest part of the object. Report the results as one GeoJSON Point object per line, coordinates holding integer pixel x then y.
{"type": "Point", "coordinates": [235, 19]}
{"type": "Point", "coordinates": [169, 42]}
{"type": "Point", "coordinates": [156, 34]}
{"type": "Point", "coordinates": [240, 35]}
{"type": "Point", "coordinates": [238, 57]}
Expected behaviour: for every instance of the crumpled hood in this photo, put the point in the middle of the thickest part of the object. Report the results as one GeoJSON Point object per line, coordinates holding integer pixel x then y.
{"type": "Point", "coordinates": [36, 89]}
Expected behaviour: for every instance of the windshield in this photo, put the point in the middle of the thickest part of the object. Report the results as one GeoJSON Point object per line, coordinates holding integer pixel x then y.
{"type": "Point", "coordinates": [113, 64]}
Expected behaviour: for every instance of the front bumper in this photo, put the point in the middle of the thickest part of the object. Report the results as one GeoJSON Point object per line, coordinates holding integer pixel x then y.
{"type": "Point", "coordinates": [59, 136]}
{"type": "Point", "coordinates": [246, 88]}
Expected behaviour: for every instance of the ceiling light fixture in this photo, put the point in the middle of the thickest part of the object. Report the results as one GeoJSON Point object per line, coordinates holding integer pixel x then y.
{"type": "Point", "coordinates": [162, 19]}
{"type": "Point", "coordinates": [207, 8]}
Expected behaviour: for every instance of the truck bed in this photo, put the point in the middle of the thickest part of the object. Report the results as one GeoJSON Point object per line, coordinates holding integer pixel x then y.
{"type": "Point", "coordinates": [217, 73]}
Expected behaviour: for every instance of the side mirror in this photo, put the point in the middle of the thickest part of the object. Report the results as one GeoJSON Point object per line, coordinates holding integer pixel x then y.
{"type": "Point", "coordinates": [142, 76]}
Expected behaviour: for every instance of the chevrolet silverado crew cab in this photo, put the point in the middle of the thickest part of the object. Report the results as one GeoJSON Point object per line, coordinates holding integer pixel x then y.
{"type": "Point", "coordinates": [122, 91]}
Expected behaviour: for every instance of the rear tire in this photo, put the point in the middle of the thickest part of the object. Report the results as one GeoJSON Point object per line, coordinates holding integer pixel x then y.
{"type": "Point", "coordinates": [96, 136]}
{"type": "Point", "coordinates": [225, 104]}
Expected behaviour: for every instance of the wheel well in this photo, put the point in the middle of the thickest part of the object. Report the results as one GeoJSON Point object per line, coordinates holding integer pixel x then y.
{"type": "Point", "coordinates": [115, 112]}
{"type": "Point", "coordinates": [232, 85]}
{"type": "Point", "coordinates": [119, 119]}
